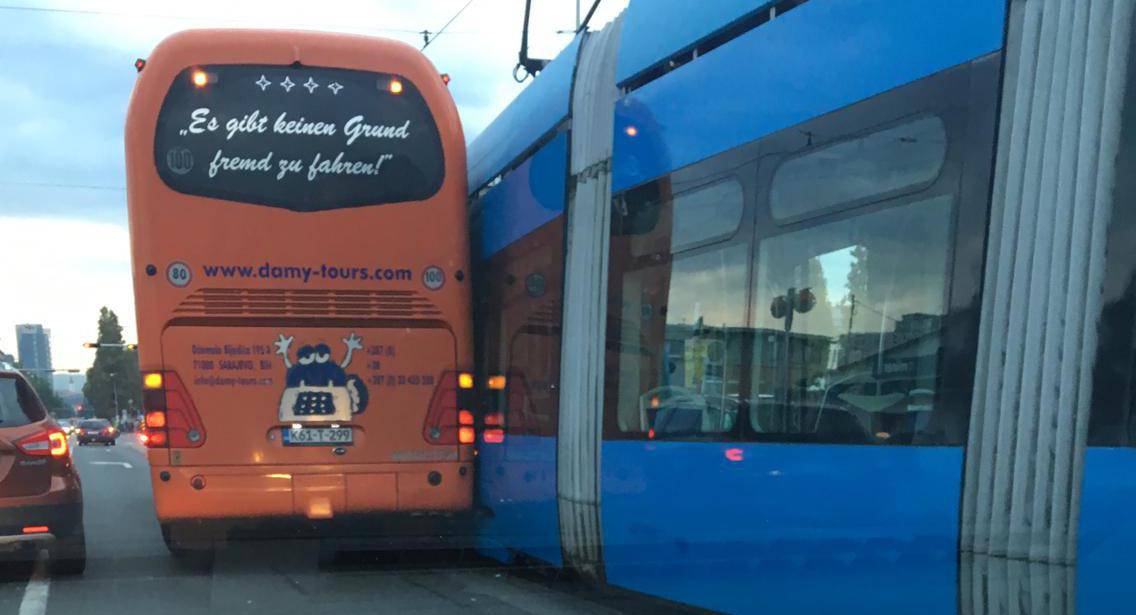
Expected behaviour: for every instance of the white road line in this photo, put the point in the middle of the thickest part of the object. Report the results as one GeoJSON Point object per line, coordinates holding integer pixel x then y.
{"type": "Point", "coordinates": [35, 594]}
{"type": "Point", "coordinates": [111, 463]}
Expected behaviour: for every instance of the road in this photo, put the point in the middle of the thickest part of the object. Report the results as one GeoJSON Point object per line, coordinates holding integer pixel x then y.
{"type": "Point", "coordinates": [129, 570]}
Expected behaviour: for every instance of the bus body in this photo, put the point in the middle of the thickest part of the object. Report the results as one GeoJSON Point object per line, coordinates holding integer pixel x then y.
{"type": "Point", "coordinates": [299, 246]}
{"type": "Point", "coordinates": [836, 306]}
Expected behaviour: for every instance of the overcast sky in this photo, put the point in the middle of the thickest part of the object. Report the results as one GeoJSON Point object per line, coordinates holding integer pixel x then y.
{"type": "Point", "coordinates": [66, 71]}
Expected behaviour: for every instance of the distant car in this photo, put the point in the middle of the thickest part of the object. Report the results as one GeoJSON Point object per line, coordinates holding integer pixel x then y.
{"type": "Point", "coordinates": [67, 425]}
{"type": "Point", "coordinates": [41, 498]}
{"type": "Point", "coordinates": [99, 431]}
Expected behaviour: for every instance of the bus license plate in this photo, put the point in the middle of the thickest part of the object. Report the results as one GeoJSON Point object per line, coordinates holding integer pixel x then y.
{"type": "Point", "coordinates": [317, 436]}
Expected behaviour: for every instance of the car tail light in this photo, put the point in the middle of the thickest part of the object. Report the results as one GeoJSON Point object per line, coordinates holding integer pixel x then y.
{"type": "Point", "coordinates": [36, 529]}
{"type": "Point", "coordinates": [49, 443]}
{"type": "Point", "coordinates": [171, 417]}
{"type": "Point", "coordinates": [448, 414]}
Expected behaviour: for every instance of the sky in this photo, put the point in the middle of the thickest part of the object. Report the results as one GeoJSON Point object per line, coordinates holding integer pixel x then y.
{"type": "Point", "coordinates": [66, 72]}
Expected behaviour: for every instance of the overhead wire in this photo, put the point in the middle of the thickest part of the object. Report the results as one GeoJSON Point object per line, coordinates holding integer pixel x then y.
{"type": "Point", "coordinates": [426, 33]}
{"type": "Point", "coordinates": [229, 19]}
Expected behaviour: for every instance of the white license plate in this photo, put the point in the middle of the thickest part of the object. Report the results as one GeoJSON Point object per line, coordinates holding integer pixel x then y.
{"type": "Point", "coordinates": [317, 436]}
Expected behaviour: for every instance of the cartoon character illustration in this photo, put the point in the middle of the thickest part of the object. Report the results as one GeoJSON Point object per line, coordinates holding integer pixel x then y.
{"type": "Point", "coordinates": [318, 388]}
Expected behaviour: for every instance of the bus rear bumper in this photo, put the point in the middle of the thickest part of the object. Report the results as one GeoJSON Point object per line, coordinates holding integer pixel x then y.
{"type": "Point", "coordinates": [317, 493]}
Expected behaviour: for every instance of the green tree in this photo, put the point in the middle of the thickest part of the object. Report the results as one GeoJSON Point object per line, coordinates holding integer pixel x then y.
{"type": "Point", "coordinates": [114, 380]}
{"type": "Point", "coordinates": [47, 395]}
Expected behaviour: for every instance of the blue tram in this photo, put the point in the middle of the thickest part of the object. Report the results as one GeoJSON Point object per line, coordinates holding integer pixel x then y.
{"type": "Point", "coordinates": [817, 306]}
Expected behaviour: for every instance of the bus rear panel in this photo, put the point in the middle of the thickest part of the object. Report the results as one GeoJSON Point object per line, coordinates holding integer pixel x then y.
{"type": "Point", "coordinates": [300, 258]}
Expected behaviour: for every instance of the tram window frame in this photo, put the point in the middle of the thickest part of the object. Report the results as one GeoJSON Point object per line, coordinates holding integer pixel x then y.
{"type": "Point", "coordinates": [846, 140]}
{"type": "Point", "coordinates": [965, 98]}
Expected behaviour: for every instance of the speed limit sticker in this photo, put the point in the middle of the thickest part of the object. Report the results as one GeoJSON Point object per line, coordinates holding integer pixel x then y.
{"type": "Point", "coordinates": [178, 274]}
{"type": "Point", "coordinates": [433, 278]}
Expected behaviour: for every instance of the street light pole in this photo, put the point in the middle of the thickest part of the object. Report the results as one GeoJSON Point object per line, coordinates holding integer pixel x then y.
{"type": "Point", "coordinates": [114, 389]}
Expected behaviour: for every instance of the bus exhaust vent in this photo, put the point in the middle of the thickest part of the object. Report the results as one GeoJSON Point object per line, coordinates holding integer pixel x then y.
{"type": "Point", "coordinates": [276, 302]}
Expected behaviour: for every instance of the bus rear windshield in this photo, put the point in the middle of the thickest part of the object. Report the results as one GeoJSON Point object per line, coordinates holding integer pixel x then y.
{"type": "Point", "coordinates": [297, 137]}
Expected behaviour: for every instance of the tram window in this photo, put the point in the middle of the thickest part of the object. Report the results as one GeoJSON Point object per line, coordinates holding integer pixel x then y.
{"type": "Point", "coordinates": [706, 213]}
{"type": "Point", "coordinates": [688, 220]}
{"type": "Point", "coordinates": [681, 338]}
{"type": "Point", "coordinates": [859, 303]}
{"type": "Point", "coordinates": [884, 162]}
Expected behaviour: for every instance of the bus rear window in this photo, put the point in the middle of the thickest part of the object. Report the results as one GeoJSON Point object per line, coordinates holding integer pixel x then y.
{"type": "Point", "coordinates": [300, 138]}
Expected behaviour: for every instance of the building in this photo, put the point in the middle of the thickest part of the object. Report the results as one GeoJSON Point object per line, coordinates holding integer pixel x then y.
{"type": "Point", "coordinates": [33, 343]}
{"type": "Point", "coordinates": [7, 361]}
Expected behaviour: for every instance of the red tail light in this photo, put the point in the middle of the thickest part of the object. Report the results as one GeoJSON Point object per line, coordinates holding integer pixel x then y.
{"type": "Point", "coordinates": [494, 428]}
{"type": "Point", "coordinates": [171, 417]}
{"type": "Point", "coordinates": [447, 410]}
{"type": "Point", "coordinates": [52, 442]}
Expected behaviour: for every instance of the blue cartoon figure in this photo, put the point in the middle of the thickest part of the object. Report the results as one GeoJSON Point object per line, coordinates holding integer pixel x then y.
{"type": "Point", "coordinates": [318, 388]}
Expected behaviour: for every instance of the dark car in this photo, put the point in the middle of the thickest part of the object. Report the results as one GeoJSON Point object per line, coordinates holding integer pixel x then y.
{"type": "Point", "coordinates": [99, 431]}
{"type": "Point", "coordinates": [41, 499]}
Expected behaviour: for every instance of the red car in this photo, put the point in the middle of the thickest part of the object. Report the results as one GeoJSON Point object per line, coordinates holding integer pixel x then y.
{"type": "Point", "coordinates": [41, 499]}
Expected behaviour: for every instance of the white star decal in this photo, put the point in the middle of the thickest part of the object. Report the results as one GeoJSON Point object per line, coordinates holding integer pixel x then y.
{"type": "Point", "coordinates": [287, 84]}
{"type": "Point", "coordinates": [263, 83]}
{"type": "Point", "coordinates": [311, 85]}
{"type": "Point", "coordinates": [335, 87]}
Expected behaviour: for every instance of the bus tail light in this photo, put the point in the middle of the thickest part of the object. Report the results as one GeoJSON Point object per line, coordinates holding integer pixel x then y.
{"type": "Point", "coordinates": [493, 436]}
{"type": "Point", "coordinates": [448, 417]}
{"type": "Point", "coordinates": [171, 417]}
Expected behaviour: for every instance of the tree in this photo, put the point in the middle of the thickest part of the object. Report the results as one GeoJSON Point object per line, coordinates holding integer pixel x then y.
{"type": "Point", "coordinates": [114, 373]}
{"type": "Point", "coordinates": [48, 396]}
{"type": "Point", "coordinates": [858, 286]}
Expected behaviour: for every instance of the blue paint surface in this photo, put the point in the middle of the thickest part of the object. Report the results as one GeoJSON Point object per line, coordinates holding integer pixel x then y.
{"type": "Point", "coordinates": [527, 198]}
{"type": "Point", "coordinates": [817, 58]}
{"type": "Point", "coordinates": [786, 529]}
{"type": "Point", "coordinates": [1106, 548]}
{"type": "Point", "coordinates": [535, 111]}
{"type": "Point", "coordinates": [517, 481]}
{"type": "Point", "coordinates": [654, 30]}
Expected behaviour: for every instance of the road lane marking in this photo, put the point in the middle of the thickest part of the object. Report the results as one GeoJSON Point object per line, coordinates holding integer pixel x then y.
{"type": "Point", "coordinates": [111, 463]}
{"type": "Point", "coordinates": [35, 594]}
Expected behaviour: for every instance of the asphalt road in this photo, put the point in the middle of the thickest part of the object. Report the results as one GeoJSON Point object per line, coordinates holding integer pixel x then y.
{"type": "Point", "coordinates": [129, 570]}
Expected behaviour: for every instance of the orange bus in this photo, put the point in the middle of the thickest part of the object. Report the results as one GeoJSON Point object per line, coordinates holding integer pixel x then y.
{"type": "Point", "coordinates": [300, 253]}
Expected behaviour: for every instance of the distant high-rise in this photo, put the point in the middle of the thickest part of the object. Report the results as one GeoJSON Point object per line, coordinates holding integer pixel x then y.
{"type": "Point", "coordinates": [33, 343]}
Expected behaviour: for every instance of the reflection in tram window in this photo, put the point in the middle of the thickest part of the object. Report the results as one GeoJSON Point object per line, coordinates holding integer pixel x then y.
{"type": "Point", "coordinates": [688, 317]}
{"type": "Point", "coordinates": [847, 322]}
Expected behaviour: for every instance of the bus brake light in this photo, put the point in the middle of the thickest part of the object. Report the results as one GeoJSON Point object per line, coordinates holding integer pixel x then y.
{"type": "Point", "coordinates": [155, 419]}
{"type": "Point", "coordinates": [200, 78]}
{"type": "Point", "coordinates": [171, 416]}
{"type": "Point", "coordinates": [395, 86]}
